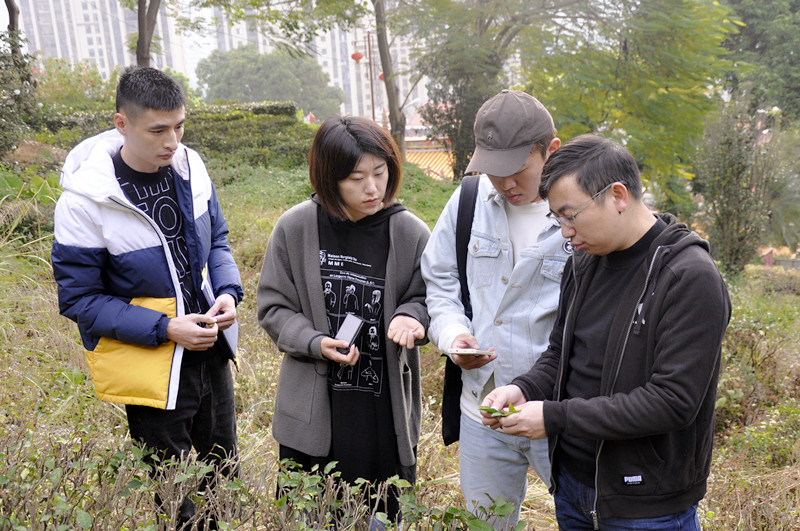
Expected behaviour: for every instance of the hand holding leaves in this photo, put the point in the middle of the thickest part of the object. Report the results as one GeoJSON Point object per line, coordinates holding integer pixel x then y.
{"type": "Point", "coordinates": [499, 412]}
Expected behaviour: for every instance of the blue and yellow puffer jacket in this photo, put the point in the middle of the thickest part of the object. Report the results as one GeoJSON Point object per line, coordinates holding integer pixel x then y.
{"type": "Point", "coordinates": [115, 273]}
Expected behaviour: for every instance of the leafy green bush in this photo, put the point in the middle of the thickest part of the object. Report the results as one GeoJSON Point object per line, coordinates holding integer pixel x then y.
{"type": "Point", "coordinates": [16, 93]}
{"type": "Point", "coordinates": [66, 127]}
{"type": "Point", "coordinates": [27, 200]}
{"type": "Point", "coordinates": [253, 134]}
{"type": "Point", "coordinates": [772, 442]}
{"type": "Point", "coordinates": [79, 86]}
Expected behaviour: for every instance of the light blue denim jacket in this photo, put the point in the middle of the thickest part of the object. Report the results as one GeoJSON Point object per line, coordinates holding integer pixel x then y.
{"type": "Point", "coordinates": [513, 310]}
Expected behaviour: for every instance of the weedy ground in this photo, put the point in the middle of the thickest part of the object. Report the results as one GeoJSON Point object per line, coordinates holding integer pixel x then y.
{"type": "Point", "coordinates": [66, 461]}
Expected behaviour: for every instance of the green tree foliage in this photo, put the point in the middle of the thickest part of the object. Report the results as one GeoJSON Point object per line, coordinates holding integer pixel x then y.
{"type": "Point", "coordinates": [459, 84]}
{"type": "Point", "coordinates": [16, 92]}
{"type": "Point", "coordinates": [287, 24]}
{"type": "Point", "coordinates": [268, 77]}
{"type": "Point", "coordinates": [736, 165]}
{"type": "Point", "coordinates": [191, 94]}
{"type": "Point", "coordinates": [767, 53]}
{"type": "Point", "coordinates": [463, 47]}
{"type": "Point", "coordinates": [74, 85]}
{"type": "Point", "coordinates": [784, 188]}
{"type": "Point", "coordinates": [644, 75]}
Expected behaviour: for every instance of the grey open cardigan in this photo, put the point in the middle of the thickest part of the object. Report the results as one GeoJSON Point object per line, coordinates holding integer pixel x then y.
{"type": "Point", "coordinates": [291, 308]}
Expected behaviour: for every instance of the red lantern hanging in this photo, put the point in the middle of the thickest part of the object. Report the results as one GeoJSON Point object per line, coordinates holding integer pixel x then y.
{"type": "Point", "coordinates": [357, 57]}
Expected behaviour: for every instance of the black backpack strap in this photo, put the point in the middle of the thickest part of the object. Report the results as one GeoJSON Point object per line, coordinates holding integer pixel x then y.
{"type": "Point", "coordinates": [466, 213]}
{"type": "Point", "coordinates": [451, 394]}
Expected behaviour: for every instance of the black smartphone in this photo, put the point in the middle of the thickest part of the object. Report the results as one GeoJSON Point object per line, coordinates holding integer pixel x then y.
{"type": "Point", "coordinates": [348, 331]}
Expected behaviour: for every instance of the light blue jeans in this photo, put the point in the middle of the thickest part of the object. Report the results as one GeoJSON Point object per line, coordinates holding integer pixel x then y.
{"type": "Point", "coordinates": [493, 463]}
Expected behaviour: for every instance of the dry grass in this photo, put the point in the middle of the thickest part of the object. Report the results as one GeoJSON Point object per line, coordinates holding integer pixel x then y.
{"type": "Point", "coordinates": [54, 431]}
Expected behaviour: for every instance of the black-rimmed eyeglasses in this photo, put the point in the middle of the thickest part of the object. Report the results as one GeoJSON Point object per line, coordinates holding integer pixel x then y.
{"type": "Point", "coordinates": [568, 220]}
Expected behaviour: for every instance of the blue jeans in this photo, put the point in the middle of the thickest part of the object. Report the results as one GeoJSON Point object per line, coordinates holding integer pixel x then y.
{"type": "Point", "coordinates": [493, 463]}
{"type": "Point", "coordinates": [574, 502]}
{"type": "Point", "coordinates": [204, 418]}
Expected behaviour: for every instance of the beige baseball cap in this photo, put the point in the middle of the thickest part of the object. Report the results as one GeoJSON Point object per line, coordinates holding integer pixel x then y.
{"type": "Point", "coordinates": [506, 127]}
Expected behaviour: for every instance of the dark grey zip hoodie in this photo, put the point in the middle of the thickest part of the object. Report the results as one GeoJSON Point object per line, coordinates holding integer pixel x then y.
{"type": "Point", "coordinates": [655, 418]}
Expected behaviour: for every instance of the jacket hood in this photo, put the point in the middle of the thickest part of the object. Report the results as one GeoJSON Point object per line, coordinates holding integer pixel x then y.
{"type": "Point", "coordinates": [89, 169]}
{"type": "Point", "coordinates": [677, 236]}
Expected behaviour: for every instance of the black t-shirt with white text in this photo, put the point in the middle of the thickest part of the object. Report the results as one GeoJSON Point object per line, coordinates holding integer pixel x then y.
{"type": "Point", "coordinates": [353, 259]}
{"type": "Point", "coordinates": [155, 195]}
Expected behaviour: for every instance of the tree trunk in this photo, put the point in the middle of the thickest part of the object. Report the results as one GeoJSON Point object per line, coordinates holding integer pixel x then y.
{"type": "Point", "coordinates": [13, 29]}
{"type": "Point", "coordinates": [147, 15]}
{"type": "Point", "coordinates": [397, 120]}
{"type": "Point", "coordinates": [15, 44]}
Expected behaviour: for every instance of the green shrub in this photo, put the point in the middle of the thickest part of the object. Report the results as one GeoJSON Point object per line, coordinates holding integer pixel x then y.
{"type": "Point", "coordinates": [266, 134]}
{"type": "Point", "coordinates": [16, 94]}
{"type": "Point", "coordinates": [80, 85]}
{"type": "Point", "coordinates": [27, 200]}
{"type": "Point", "coordinates": [774, 441]}
{"type": "Point", "coordinates": [66, 127]}
{"type": "Point", "coordinates": [251, 134]}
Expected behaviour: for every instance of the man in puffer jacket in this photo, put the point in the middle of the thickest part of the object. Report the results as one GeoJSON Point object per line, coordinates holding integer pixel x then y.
{"type": "Point", "coordinates": [143, 267]}
{"type": "Point", "coordinates": [625, 392]}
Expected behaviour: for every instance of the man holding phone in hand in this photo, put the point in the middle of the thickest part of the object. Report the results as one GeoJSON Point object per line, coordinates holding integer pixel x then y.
{"type": "Point", "coordinates": [515, 257]}
{"type": "Point", "coordinates": [143, 266]}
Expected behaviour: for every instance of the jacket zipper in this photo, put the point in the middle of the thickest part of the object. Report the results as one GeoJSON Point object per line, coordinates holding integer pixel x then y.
{"type": "Point", "coordinates": [164, 246]}
{"type": "Point", "coordinates": [560, 375]}
{"type": "Point", "coordinates": [593, 512]}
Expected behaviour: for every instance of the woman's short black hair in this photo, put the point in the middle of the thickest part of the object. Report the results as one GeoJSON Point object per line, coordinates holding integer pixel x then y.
{"type": "Point", "coordinates": [339, 144]}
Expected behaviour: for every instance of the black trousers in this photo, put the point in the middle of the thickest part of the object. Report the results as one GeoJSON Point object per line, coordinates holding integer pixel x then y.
{"type": "Point", "coordinates": [204, 418]}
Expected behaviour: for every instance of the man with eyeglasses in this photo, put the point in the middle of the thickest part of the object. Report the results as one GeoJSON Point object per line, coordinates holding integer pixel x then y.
{"type": "Point", "coordinates": [514, 261]}
{"type": "Point", "coordinates": [625, 392]}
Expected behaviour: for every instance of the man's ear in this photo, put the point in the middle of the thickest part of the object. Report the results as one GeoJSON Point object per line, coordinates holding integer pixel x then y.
{"type": "Point", "coordinates": [621, 197]}
{"type": "Point", "coordinates": [554, 145]}
{"type": "Point", "coordinates": [121, 122]}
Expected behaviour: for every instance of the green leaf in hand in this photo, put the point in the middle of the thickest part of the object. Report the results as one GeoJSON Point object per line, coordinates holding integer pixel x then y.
{"type": "Point", "coordinates": [496, 412]}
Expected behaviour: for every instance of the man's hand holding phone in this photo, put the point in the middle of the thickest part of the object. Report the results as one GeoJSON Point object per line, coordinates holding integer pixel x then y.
{"type": "Point", "coordinates": [466, 353]}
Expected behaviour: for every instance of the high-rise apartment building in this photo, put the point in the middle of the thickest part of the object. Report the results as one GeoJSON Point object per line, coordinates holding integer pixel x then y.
{"type": "Point", "coordinates": [95, 30]}
{"type": "Point", "coordinates": [100, 30]}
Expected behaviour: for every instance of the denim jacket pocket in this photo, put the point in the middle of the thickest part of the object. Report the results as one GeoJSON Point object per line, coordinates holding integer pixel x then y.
{"type": "Point", "coordinates": [551, 272]}
{"type": "Point", "coordinates": [482, 261]}
{"type": "Point", "coordinates": [553, 268]}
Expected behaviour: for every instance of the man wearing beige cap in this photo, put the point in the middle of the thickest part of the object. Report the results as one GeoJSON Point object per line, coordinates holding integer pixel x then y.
{"type": "Point", "coordinates": [514, 259]}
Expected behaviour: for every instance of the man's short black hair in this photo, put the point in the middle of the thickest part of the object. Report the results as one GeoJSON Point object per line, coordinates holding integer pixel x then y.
{"type": "Point", "coordinates": [145, 88]}
{"type": "Point", "coordinates": [595, 162]}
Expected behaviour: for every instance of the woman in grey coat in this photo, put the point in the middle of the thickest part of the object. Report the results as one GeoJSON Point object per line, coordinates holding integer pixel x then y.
{"type": "Point", "coordinates": [350, 249]}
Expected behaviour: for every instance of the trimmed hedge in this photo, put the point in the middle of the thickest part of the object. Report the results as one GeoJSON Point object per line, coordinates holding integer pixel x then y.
{"type": "Point", "coordinates": [261, 134]}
